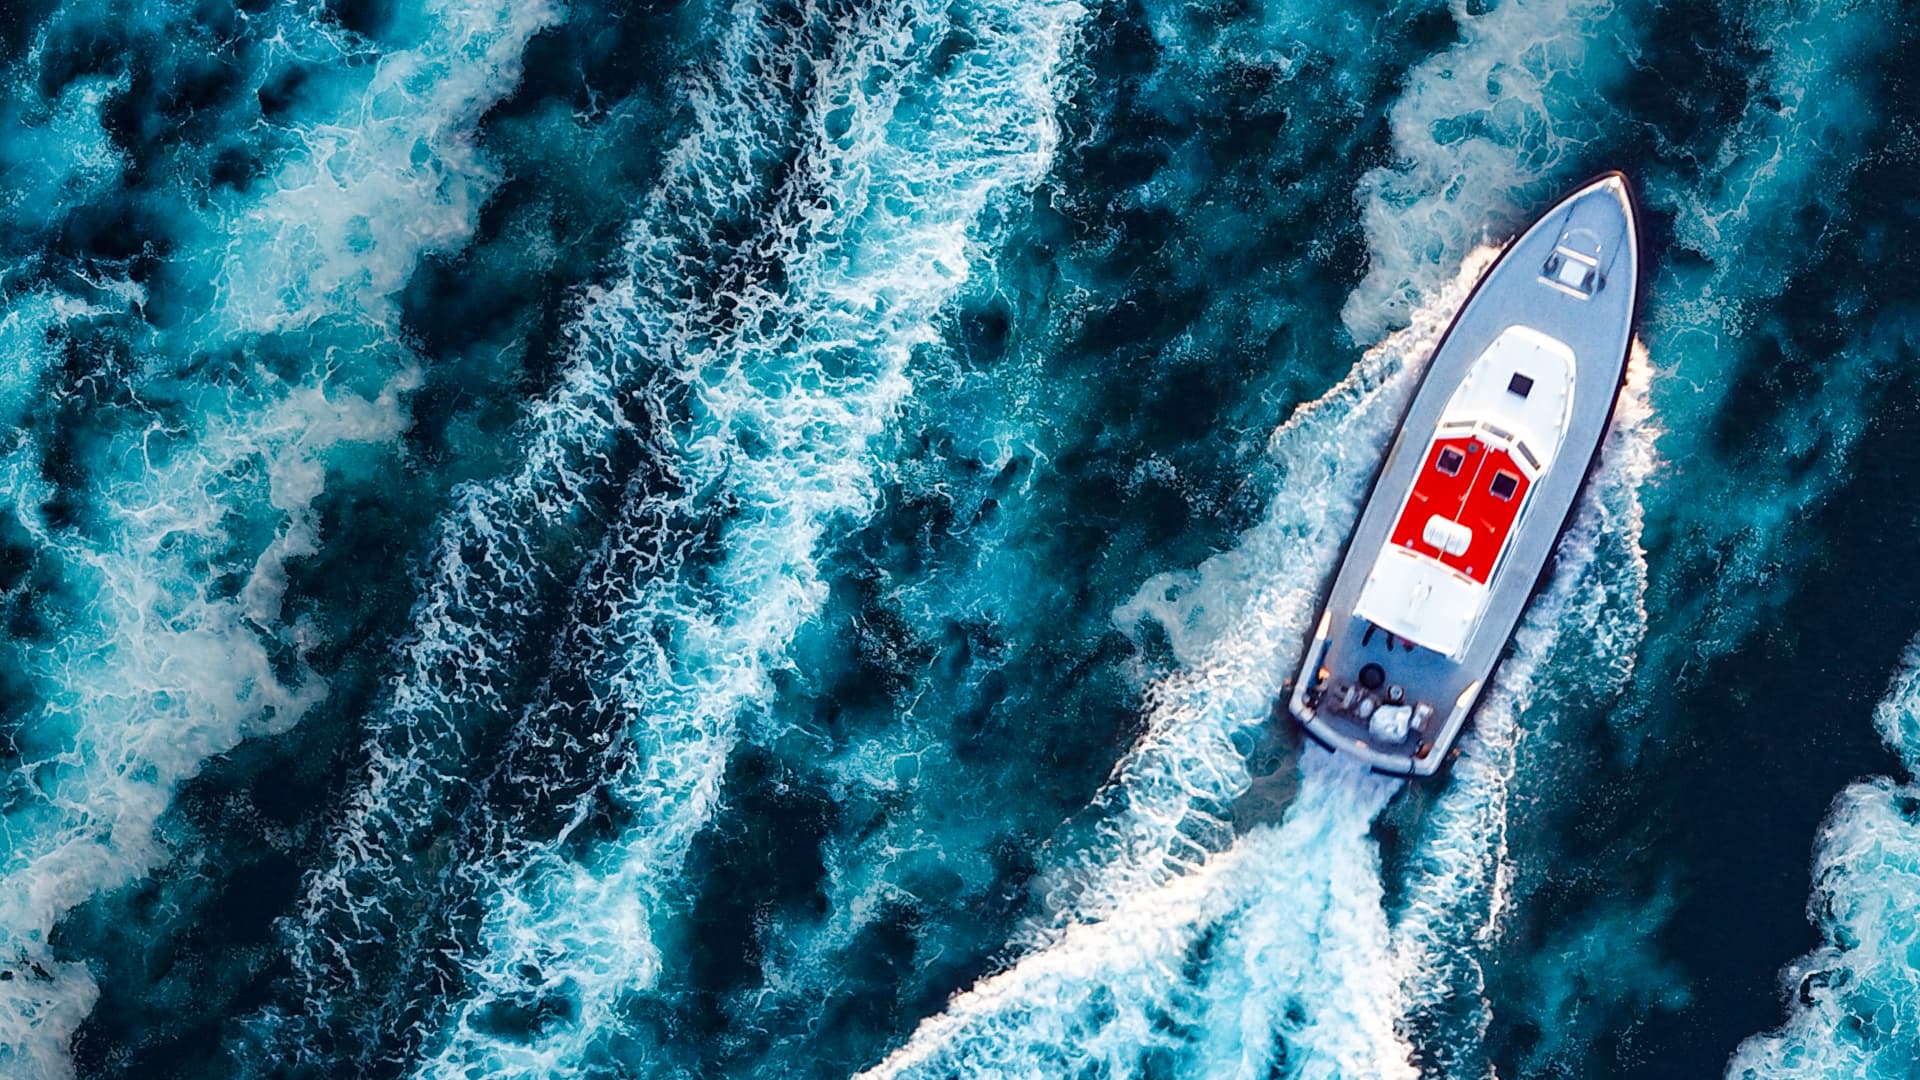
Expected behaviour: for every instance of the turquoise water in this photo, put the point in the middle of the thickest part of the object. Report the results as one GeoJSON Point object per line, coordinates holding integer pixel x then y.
{"type": "Point", "coordinates": [761, 539]}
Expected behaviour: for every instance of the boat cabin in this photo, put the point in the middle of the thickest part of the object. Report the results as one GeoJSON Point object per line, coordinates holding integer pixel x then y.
{"type": "Point", "coordinates": [1499, 433]}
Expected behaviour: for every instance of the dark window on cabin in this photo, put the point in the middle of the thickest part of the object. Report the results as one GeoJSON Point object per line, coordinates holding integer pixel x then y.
{"type": "Point", "coordinates": [1519, 385]}
{"type": "Point", "coordinates": [1505, 484]}
{"type": "Point", "coordinates": [1450, 461]}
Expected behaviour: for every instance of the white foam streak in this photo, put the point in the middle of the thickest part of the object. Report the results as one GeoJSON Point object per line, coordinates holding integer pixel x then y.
{"type": "Point", "coordinates": [1274, 947]}
{"type": "Point", "coordinates": [887, 233]}
{"type": "Point", "coordinates": [404, 139]}
{"type": "Point", "coordinates": [1853, 1004]}
{"type": "Point", "coordinates": [164, 668]}
{"type": "Point", "coordinates": [634, 340]}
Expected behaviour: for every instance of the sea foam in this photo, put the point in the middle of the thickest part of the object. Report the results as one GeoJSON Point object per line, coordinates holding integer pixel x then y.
{"type": "Point", "coordinates": [164, 662]}
{"type": "Point", "coordinates": [782, 388]}
{"type": "Point", "coordinates": [1853, 1004]}
{"type": "Point", "coordinates": [1268, 957]}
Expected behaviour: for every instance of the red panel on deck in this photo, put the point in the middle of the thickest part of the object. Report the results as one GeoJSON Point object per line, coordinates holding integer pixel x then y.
{"type": "Point", "coordinates": [1466, 497]}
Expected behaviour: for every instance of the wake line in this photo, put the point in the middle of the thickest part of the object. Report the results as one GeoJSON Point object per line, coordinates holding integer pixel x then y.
{"type": "Point", "coordinates": [906, 198]}
{"type": "Point", "coordinates": [163, 667]}
{"type": "Point", "coordinates": [1224, 970]}
{"type": "Point", "coordinates": [1163, 841]}
{"type": "Point", "coordinates": [1461, 875]}
{"type": "Point", "coordinates": [1525, 87]}
{"type": "Point", "coordinates": [772, 389]}
{"type": "Point", "coordinates": [634, 347]}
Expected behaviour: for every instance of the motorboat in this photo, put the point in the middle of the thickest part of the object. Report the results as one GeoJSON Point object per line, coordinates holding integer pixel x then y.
{"type": "Point", "coordinates": [1476, 489]}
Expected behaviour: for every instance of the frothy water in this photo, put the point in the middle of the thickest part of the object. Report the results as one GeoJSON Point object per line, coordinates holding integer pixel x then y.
{"type": "Point", "coordinates": [1269, 957]}
{"type": "Point", "coordinates": [199, 499]}
{"type": "Point", "coordinates": [749, 540]}
{"type": "Point", "coordinates": [775, 395]}
{"type": "Point", "coordinates": [1853, 1004]}
{"type": "Point", "coordinates": [1295, 971]}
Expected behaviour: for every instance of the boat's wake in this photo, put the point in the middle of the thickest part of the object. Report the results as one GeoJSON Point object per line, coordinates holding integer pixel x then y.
{"type": "Point", "coordinates": [1273, 951]}
{"type": "Point", "coordinates": [1169, 938]}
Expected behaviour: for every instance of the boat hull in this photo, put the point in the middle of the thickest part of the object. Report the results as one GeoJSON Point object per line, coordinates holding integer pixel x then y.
{"type": "Point", "coordinates": [1353, 665]}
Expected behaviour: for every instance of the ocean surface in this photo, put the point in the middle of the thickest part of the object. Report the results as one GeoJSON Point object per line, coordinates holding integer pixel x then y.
{"type": "Point", "coordinates": [761, 539]}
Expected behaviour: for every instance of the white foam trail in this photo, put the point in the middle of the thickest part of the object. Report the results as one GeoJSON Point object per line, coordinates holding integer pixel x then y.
{"type": "Point", "coordinates": [636, 341]}
{"type": "Point", "coordinates": [163, 667]}
{"type": "Point", "coordinates": [889, 229]}
{"type": "Point", "coordinates": [1481, 133]}
{"type": "Point", "coordinates": [1296, 909]}
{"type": "Point", "coordinates": [1275, 946]}
{"type": "Point", "coordinates": [1236, 624]}
{"type": "Point", "coordinates": [1853, 1004]}
{"type": "Point", "coordinates": [1455, 896]}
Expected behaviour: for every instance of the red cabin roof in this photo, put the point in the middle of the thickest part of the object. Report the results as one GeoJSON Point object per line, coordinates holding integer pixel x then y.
{"type": "Point", "coordinates": [1484, 491]}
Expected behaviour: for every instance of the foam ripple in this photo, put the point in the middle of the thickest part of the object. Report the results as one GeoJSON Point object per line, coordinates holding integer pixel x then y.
{"type": "Point", "coordinates": [1853, 1004]}
{"type": "Point", "coordinates": [174, 650]}
{"type": "Point", "coordinates": [783, 387]}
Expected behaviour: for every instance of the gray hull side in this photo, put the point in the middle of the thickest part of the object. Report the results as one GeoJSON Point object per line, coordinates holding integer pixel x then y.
{"type": "Point", "coordinates": [1599, 330]}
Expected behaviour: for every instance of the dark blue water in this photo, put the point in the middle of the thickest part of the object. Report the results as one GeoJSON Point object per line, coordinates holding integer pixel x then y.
{"type": "Point", "coordinates": [685, 540]}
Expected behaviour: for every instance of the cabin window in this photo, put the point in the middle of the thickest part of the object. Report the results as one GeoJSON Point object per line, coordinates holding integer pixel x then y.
{"type": "Point", "coordinates": [1519, 385]}
{"type": "Point", "coordinates": [1450, 461]}
{"type": "Point", "coordinates": [1505, 484]}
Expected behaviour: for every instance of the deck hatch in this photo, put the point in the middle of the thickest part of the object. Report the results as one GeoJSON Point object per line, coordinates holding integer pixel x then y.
{"type": "Point", "coordinates": [1575, 273]}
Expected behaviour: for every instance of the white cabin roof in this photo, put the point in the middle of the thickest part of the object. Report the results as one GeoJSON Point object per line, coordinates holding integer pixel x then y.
{"type": "Point", "coordinates": [1414, 597]}
{"type": "Point", "coordinates": [1520, 390]}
